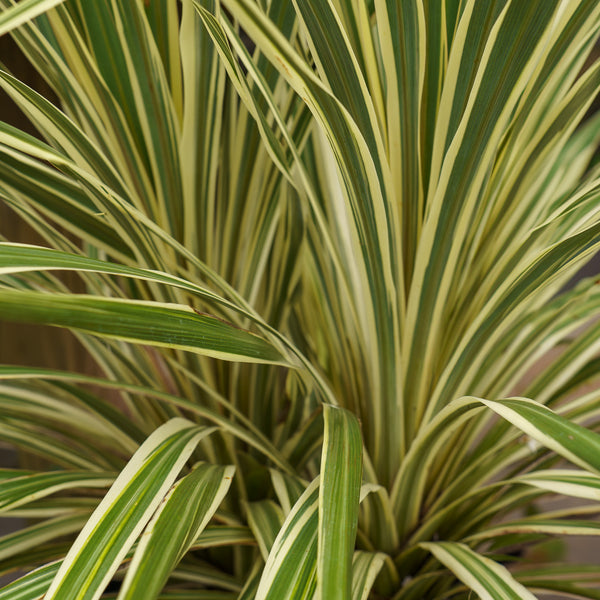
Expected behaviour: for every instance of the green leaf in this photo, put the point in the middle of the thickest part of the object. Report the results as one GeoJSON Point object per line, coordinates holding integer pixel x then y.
{"type": "Point", "coordinates": [181, 518]}
{"type": "Point", "coordinates": [26, 487]}
{"type": "Point", "coordinates": [536, 525]}
{"type": "Point", "coordinates": [372, 215]}
{"type": "Point", "coordinates": [577, 484]}
{"type": "Point", "coordinates": [23, 258]}
{"type": "Point", "coordinates": [487, 578]}
{"type": "Point", "coordinates": [244, 429]}
{"type": "Point", "coordinates": [31, 586]}
{"type": "Point", "coordinates": [290, 569]}
{"type": "Point", "coordinates": [365, 569]}
{"type": "Point", "coordinates": [24, 11]}
{"type": "Point", "coordinates": [222, 535]}
{"type": "Point", "coordinates": [563, 579]}
{"type": "Point", "coordinates": [32, 536]}
{"type": "Point", "coordinates": [125, 511]}
{"type": "Point", "coordinates": [341, 471]}
{"type": "Point", "coordinates": [166, 325]}
{"type": "Point", "coordinates": [402, 37]}
{"type": "Point", "coordinates": [265, 519]}
{"type": "Point", "coordinates": [571, 441]}
{"type": "Point", "coordinates": [288, 489]}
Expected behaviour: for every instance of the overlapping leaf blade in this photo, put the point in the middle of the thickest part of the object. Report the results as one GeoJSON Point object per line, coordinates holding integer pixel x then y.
{"type": "Point", "coordinates": [487, 578]}
{"type": "Point", "coordinates": [391, 195]}
{"type": "Point", "coordinates": [290, 570]}
{"type": "Point", "coordinates": [31, 586]}
{"type": "Point", "coordinates": [365, 569]}
{"type": "Point", "coordinates": [124, 511]}
{"type": "Point", "coordinates": [172, 531]}
{"type": "Point", "coordinates": [22, 12]}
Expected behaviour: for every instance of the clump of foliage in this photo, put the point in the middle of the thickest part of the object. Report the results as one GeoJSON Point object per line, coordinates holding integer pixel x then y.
{"type": "Point", "coordinates": [319, 246]}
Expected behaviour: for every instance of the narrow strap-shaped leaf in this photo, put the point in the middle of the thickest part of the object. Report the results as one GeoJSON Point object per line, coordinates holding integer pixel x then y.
{"type": "Point", "coordinates": [173, 326]}
{"type": "Point", "coordinates": [19, 258]}
{"type": "Point", "coordinates": [203, 89]}
{"type": "Point", "coordinates": [123, 513]}
{"type": "Point", "coordinates": [339, 67]}
{"type": "Point", "coordinates": [222, 535]}
{"type": "Point", "coordinates": [197, 595]}
{"type": "Point", "coordinates": [288, 489]}
{"type": "Point", "coordinates": [24, 11]}
{"type": "Point", "coordinates": [147, 228]}
{"type": "Point", "coordinates": [265, 519]}
{"type": "Point", "coordinates": [49, 407]}
{"type": "Point", "coordinates": [560, 579]}
{"type": "Point", "coordinates": [365, 568]}
{"type": "Point", "coordinates": [207, 575]}
{"type": "Point", "coordinates": [341, 470]}
{"type": "Point", "coordinates": [241, 427]}
{"type": "Point", "coordinates": [481, 104]}
{"type": "Point", "coordinates": [577, 484]}
{"type": "Point", "coordinates": [28, 487]}
{"type": "Point", "coordinates": [33, 440]}
{"type": "Point", "coordinates": [163, 18]}
{"type": "Point", "coordinates": [63, 132]}
{"type": "Point", "coordinates": [31, 586]}
{"type": "Point", "coordinates": [32, 536]}
{"type": "Point", "coordinates": [181, 518]}
{"type": "Point", "coordinates": [252, 580]}
{"type": "Point", "coordinates": [402, 39]}
{"type": "Point", "coordinates": [564, 589]}
{"type": "Point", "coordinates": [53, 507]}
{"type": "Point", "coordinates": [487, 578]}
{"type": "Point", "coordinates": [153, 103]}
{"type": "Point", "coordinates": [410, 481]}
{"type": "Point", "coordinates": [290, 569]}
{"type": "Point", "coordinates": [374, 217]}
{"type": "Point", "coordinates": [571, 441]}
{"type": "Point", "coordinates": [536, 525]}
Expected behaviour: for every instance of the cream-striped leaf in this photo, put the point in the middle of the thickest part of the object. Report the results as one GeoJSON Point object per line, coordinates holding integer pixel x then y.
{"type": "Point", "coordinates": [32, 586]}
{"type": "Point", "coordinates": [571, 441]}
{"type": "Point", "coordinates": [165, 325]}
{"type": "Point", "coordinates": [182, 516]}
{"type": "Point", "coordinates": [365, 569]}
{"type": "Point", "coordinates": [265, 519]}
{"type": "Point", "coordinates": [487, 578]}
{"type": "Point", "coordinates": [25, 10]}
{"type": "Point", "coordinates": [577, 484]}
{"type": "Point", "coordinates": [19, 489]}
{"type": "Point", "coordinates": [290, 569]}
{"type": "Point", "coordinates": [341, 472]}
{"type": "Point", "coordinates": [124, 511]}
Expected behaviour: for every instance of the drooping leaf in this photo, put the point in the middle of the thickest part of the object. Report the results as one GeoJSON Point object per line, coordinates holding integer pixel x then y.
{"type": "Point", "coordinates": [487, 578]}
{"type": "Point", "coordinates": [22, 488]}
{"type": "Point", "coordinates": [165, 325]}
{"type": "Point", "coordinates": [31, 586]}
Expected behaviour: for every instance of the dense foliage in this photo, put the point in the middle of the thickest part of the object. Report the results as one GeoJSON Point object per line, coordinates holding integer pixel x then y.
{"type": "Point", "coordinates": [320, 247]}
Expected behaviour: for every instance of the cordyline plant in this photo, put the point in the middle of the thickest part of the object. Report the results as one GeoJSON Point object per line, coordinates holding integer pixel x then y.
{"type": "Point", "coordinates": [319, 245]}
